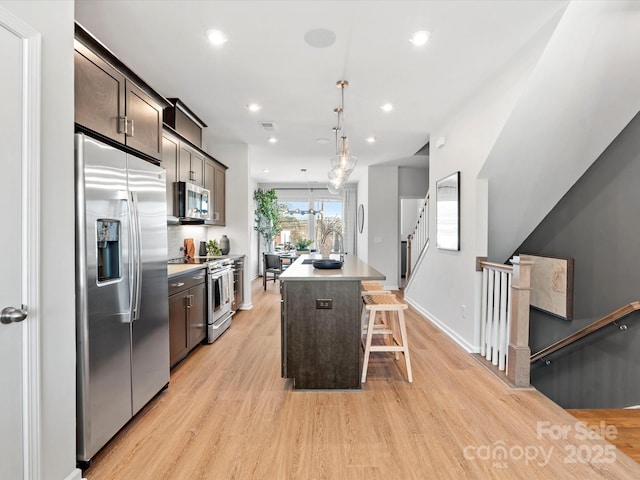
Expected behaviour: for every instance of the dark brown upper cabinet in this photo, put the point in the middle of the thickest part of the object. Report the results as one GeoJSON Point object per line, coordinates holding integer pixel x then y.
{"type": "Point", "coordinates": [182, 119]}
{"type": "Point", "coordinates": [114, 102]}
{"type": "Point", "coordinates": [191, 167]}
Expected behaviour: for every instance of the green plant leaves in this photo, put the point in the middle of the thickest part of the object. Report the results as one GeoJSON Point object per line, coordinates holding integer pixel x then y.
{"type": "Point", "coordinates": [267, 214]}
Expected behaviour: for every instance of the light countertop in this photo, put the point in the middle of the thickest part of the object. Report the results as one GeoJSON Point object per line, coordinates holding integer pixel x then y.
{"type": "Point", "coordinates": [181, 268]}
{"type": "Point", "coordinates": [352, 269]}
{"type": "Point", "coordinates": [174, 269]}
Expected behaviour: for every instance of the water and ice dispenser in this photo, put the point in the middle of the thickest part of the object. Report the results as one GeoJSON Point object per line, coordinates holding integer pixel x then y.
{"type": "Point", "coordinates": [108, 248]}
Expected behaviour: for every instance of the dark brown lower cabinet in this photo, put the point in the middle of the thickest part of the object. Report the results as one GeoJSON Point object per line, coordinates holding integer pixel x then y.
{"type": "Point", "coordinates": [187, 313]}
{"type": "Point", "coordinates": [321, 346]}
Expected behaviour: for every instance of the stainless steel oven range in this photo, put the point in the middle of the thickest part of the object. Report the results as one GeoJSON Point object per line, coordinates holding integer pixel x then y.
{"type": "Point", "coordinates": [220, 297]}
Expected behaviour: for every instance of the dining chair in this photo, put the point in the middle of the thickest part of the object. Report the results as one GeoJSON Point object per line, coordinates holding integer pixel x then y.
{"type": "Point", "coordinates": [272, 265]}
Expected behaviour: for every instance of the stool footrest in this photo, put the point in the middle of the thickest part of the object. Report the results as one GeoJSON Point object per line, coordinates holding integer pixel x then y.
{"type": "Point", "coordinates": [379, 331]}
{"type": "Point", "coordinates": [386, 348]}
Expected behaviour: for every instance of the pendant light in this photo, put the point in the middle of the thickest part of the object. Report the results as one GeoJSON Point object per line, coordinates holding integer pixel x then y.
{"type": "Point", "coordinates": [343, 163]}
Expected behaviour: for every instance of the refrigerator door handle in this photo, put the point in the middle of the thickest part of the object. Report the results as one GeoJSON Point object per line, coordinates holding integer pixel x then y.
{"type": "Point", "coordinates": [135, 256]}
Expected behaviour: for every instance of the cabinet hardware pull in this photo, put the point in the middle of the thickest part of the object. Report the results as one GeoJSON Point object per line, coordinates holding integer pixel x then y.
{"type": "Point", "coordinates": [126, 130]}
{"type": "Point", "coordinates": [122, 125]}
{"type": "Point", "coordinates": [179, 284]}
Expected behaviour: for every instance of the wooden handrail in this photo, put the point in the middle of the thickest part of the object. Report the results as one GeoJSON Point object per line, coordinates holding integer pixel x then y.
{"type": "Point", "coordinates": [496, 266]}
{"type": "Point", "coordinates": [595, 326]}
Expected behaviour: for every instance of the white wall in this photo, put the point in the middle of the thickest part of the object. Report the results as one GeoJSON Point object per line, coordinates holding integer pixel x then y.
{"type": "Point", "coordinates": [54, 19]}
{"type": "Point", "coordinates": [409, 210]}
{"type": "Point", "coordinates": [362, 239]}
{"type": "Point", "coordinates": [413, 182]}
{"type": "Point", "coordinates": [580, 96]}
{"type": "Point", "coordinates": [383, 221]}
{"type": "Point", "coordinates": [443, 287]}
{"type": "Point", "coordinates": [239, 207]}
{"type": "Point", "coordinates": [413, 185]}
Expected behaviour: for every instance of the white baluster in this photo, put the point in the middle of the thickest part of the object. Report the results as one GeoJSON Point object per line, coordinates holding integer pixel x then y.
{"type": "Point", "coordinates": [496, 318]}
{"type": "Point", "coordinates": [483, 311]}
{"type": "Point", "coordinates": [502, 340]}
{"type": "Point", "coordinates": [489, 332]}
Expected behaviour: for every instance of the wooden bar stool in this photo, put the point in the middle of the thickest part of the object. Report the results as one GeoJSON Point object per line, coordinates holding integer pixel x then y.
{"type": "Point", "coordinates": [371, 285]}
{"type": "Point", "coordinates": [385, 304]}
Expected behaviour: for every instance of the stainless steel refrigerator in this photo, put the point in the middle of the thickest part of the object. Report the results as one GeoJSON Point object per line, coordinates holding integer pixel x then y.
{"type": "Point", "coordinates": [122, 334]}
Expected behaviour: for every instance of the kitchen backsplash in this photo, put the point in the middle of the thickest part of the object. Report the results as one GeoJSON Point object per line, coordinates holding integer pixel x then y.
{"type": "Point", "coordinates": [177, 234]}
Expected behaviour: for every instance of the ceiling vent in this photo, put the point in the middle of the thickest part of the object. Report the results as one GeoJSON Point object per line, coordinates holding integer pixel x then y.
{"type": "Point", "coordinates": [268, 126]}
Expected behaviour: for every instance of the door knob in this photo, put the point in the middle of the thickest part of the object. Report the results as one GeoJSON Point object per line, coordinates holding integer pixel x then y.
{"type": "Point", "coordinates": [13, 315]}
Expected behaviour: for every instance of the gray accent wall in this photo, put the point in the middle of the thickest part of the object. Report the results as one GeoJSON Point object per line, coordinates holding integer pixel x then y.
{"type": "Point", "coordinates": [597, 224]}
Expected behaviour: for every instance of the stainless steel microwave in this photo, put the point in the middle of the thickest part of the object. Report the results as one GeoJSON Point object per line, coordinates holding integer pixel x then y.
{"type": "Point", "coordinates": [191, 202]}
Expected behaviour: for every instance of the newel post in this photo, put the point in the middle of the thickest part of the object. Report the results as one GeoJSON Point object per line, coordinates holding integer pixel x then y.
{"type": "Point", "coordinates": [519, 365]}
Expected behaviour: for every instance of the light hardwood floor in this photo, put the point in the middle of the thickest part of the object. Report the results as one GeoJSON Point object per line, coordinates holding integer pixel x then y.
{"type": "Point", "coordinates": [626, 436]}
{"type": "Point", "coordinates": [227, 414]}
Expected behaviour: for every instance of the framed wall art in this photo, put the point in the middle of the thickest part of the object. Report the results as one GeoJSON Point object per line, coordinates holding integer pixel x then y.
{"type": "Point", "coordinates": [552, 285]}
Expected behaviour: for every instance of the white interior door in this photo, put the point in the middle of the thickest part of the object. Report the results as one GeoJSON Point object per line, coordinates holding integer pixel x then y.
{"type": "Point", "coordinates": [18, 167]}
{"type": "Point", "coordinates": [11, 439]}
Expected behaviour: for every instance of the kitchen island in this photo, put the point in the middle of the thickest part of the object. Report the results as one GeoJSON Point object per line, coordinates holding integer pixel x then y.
{"type": "Point", "coordinates": [320, 323]}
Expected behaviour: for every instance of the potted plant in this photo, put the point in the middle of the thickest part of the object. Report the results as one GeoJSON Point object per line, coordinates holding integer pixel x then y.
{"type": "Point", "coordinates": [302, 244]}
{"type": "Point", "coordinates": [326, 230]}
{"type": "Point", "coordinates": [267, 214]}
{"type": "Point", "coordinates": [213, 248]}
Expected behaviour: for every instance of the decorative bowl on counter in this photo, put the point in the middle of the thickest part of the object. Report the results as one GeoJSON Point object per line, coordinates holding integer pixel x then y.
{"type": "Point", "coordinates": [327, 264]}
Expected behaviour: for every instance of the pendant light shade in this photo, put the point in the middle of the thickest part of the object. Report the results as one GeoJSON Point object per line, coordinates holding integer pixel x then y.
{"type": "Point", "coordinates": [343, 163]}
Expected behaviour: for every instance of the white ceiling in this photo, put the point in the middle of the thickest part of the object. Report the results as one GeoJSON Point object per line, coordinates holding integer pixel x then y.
{"type": "Point", "coordinates": [266, 60]}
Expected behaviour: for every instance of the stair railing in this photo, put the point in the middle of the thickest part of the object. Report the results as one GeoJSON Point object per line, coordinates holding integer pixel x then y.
{"type": "Point", "coordinates": [588, 330]}
{"type": "Point", "coordinates": [505, 292]}
{"type": "Point", "coordinates": [494, 312]}
{"type": "Point", "coordinates": [419, 238]}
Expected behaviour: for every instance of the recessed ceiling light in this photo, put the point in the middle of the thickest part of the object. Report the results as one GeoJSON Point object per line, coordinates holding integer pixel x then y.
{"type": "Point", "coordinates": [254, 107]}
{"type": "Point", "coordinates": [217, 37]}
{"type": "Point", "coordinates": [322, 140]}
{"type": "Point", "coordinates": [371, 139]}
{"type": "Point", "coordinates": [387, 107]}
{"type": "Point", "coordinates": [273, 139]}
{"type": "Point", "coordinates": [266, 170]}
{"type": "Point", "coordinates": [419, 38]}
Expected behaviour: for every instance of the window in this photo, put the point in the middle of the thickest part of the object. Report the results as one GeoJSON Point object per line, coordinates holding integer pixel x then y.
{"type": "Point", "coordinates": [304, 207]}
{"type": "Point", "coordinates": [298, 224]}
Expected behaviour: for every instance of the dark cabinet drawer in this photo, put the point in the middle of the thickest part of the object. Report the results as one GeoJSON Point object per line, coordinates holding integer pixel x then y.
{"type": "Point", "coordinates": [184, 282]}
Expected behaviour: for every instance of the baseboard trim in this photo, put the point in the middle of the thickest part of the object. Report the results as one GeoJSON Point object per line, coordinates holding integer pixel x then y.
{"type": "Point", "coordinates": [76, 474]}
{"type": "Point", "coordinates": [444, 327]}
{"type": "Point", "coordinates": [500, 375]}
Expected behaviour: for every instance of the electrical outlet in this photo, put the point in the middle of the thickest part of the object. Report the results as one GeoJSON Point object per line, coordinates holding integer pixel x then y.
{"type": "Point", "coordinates": [464, 311]}
{"type": "Point", "coordinates": [324, 303]}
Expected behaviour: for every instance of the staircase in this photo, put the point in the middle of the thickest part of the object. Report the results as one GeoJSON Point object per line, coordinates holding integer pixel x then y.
{"type": "Point", "coordinates": [418, 240]}
{"type": "Point", "coordinates": [595, 367]}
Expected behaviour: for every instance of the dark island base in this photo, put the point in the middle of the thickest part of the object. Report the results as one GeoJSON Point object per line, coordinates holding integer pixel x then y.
{"type": "Point", "coordinates": [321, 346]}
